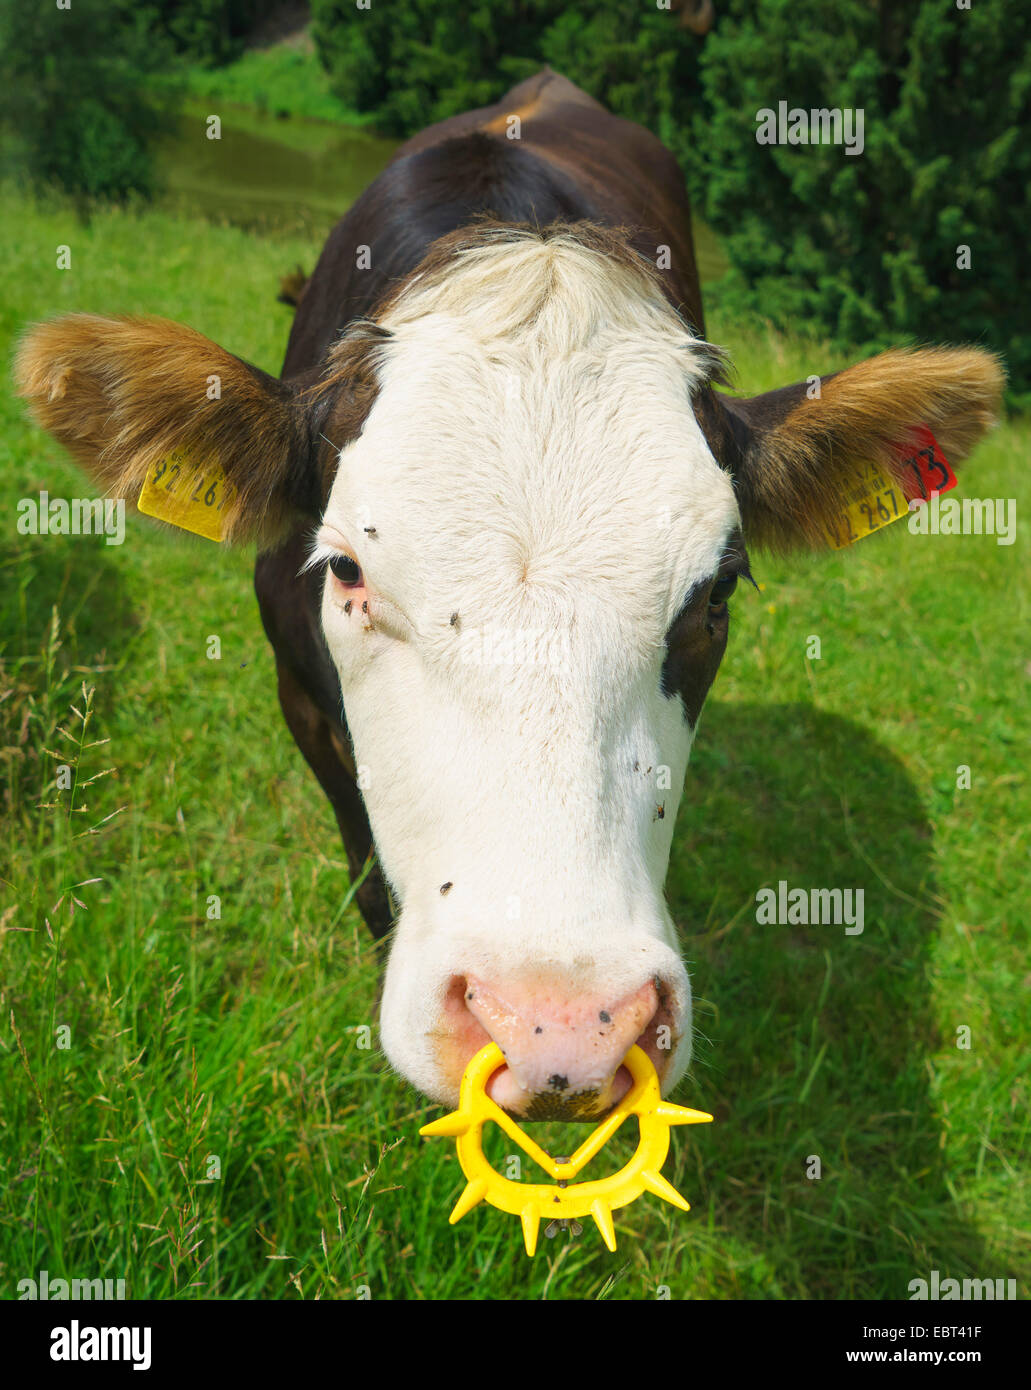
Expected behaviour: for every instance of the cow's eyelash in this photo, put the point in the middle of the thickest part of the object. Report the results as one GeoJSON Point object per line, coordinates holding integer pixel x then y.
{"type": "Point", "coordinates": [736, 562]}
{"type": "Point", "coordinates": [744, 571]}
{"type": "Point", "coordinates": [727, 568]}
{"type": "Point", "coordinates": [321, 554]}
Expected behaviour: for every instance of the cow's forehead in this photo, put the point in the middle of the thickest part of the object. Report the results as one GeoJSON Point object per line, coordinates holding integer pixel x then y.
{"type": "Point", "coordinates": [533, 443]}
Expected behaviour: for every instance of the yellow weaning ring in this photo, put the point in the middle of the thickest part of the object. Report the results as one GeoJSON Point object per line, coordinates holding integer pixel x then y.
{"type": "Point", "coordinates": [533, 1201]}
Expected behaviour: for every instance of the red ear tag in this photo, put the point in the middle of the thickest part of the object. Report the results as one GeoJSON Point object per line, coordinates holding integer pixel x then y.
{"type": "Point", "coordinates": [878, 496]}
{"type": "Point", "coordinates": [923, 466]}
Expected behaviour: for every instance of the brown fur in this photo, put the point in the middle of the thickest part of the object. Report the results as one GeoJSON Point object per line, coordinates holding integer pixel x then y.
{"type": "Point", "coordinates": [698, 16]}
{"type": "Point", "coordinates": [121, 394]}
{"type": "Point", "coordinates": [292, 287]}
{"type": "Point", "coordinates": [345, 393]}
{"type": "Point", "coordinates": [800, 454]}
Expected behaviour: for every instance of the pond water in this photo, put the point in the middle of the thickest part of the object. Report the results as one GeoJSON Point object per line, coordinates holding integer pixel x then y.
{"type": "Point", "coordinates": [268, 175]}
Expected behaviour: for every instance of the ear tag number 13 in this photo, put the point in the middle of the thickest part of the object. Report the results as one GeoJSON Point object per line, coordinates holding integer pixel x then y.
{"type": "Point", "coordinates": [879, 497]}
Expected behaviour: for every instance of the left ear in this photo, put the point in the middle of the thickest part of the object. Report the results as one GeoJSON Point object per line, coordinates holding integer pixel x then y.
{"type": "Point", "coordinates": [796, 454]}
{"type": "Point", "coordinates": [124, 395]}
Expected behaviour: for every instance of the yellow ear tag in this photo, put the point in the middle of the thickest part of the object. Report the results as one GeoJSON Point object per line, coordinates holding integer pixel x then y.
{"type": "Point", "coordinates": [875, 500]}
{"type": "Point", "coordinates": [188, 495]}
{"type": "Point", "coordinates": [533, 1201]}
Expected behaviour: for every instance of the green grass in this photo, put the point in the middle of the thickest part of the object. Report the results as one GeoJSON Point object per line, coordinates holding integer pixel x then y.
{"type": "Point", "coordinates": [284, 79]}
{"type": "Point", "coordinates": [238, 1040]}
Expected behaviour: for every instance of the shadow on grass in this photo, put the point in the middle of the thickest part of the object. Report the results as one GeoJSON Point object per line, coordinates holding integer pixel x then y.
{"type": "Point", "coordinates": [811, 1042]}
{"type": "Point", "coordinates": [78, 576]}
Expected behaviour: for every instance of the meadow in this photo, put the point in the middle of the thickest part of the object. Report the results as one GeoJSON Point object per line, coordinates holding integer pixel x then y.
{"type": "Point", "coordinates": [185, 1100]}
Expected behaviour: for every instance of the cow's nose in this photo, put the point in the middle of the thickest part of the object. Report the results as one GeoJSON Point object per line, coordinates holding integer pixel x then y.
{"type": "Point", "coordinates": [563, 1049]}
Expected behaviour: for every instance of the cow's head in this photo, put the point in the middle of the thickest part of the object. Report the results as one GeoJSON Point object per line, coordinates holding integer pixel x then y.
{"type": "Point", "coordinates": [531, 517]}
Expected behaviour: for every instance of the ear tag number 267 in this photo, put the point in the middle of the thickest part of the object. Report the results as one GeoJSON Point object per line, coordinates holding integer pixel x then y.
{"type": "Point", "coordinates": [187, 495]}
{"type": "Point", "coordinates": [878, 497]}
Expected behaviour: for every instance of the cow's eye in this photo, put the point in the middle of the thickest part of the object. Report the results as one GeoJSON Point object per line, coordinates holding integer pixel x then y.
{"type": "Point", "coordinates": [346, 570]}
{"type": "Point", "coordinates": [722, 590]}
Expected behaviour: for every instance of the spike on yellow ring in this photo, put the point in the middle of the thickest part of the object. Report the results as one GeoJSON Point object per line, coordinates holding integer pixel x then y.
{"type": "Point", "coordinates": [532, 1202]}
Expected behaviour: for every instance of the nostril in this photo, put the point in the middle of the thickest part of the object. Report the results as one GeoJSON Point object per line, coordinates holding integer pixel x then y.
{"type": "Point", "coordinates": [661, 1034]}
{"type": "Point", "coordinates": [562, 1038]}
{"type": "Point", "coordinates": [461, 1022]}
{"type": "Point", "coordinates": [558, 1042]}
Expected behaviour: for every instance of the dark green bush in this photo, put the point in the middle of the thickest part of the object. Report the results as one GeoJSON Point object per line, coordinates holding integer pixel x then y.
{"type": "Point", "coordinates": [411, 62]}
{"type": "Point", "coordinates": [79, 96]}
{"type": "Point", "coordinates": [862, 249]}
{"type": "Point", "coordinates": [86, 90]}
{"type": "Point", "coordinates": [865, 249]}
{"type": "Point", "coordinates": [207, 32]}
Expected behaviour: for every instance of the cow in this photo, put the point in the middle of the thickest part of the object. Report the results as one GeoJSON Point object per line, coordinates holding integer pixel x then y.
{"type": "Point", "coordinates": [501, 498]}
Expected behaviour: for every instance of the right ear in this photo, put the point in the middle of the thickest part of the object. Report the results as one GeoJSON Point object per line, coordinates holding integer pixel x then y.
{"type": "Point", "coordinates": [799, 458]}
{"type": "Point", "coordinates": [123, 394]}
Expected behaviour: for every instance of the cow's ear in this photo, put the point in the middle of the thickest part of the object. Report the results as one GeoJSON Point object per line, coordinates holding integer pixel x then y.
{"type": "Point", "coordinates": [798, 453]}
{"type": "Point", "coordinates": [125, 394]}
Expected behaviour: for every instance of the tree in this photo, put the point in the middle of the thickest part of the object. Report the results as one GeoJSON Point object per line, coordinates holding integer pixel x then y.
{"type": "Point", "coordinates": [80, 97]}
{"type": "Point", "coordinates": [412, 62]}
{"type": "Point", "coordinates": [867, 249]}
{"type": "Point", "coordinates": [924, 234]}
{"type": "Point", "coordinates": [208, 32]}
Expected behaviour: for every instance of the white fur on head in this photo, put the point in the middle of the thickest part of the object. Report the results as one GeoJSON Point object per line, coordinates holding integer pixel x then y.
{"type": "Point", "coordinates": [533, 465]}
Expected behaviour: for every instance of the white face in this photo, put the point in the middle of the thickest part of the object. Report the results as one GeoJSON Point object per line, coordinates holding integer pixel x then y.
{"type": "Point", "coordinates": [546, 481]}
